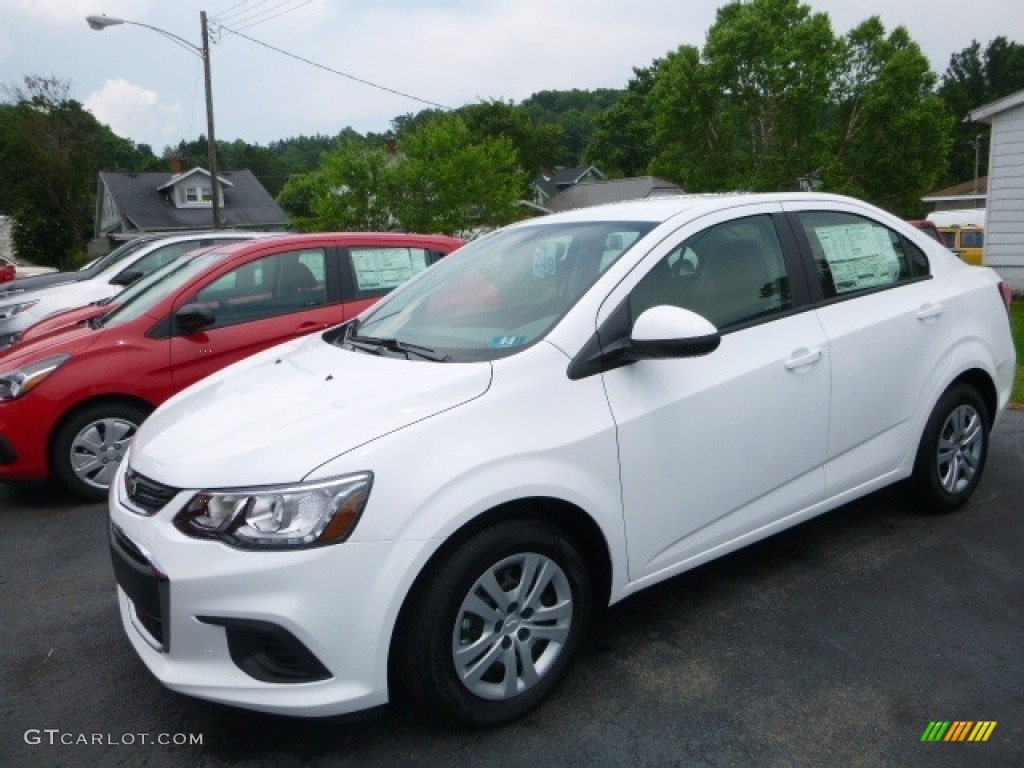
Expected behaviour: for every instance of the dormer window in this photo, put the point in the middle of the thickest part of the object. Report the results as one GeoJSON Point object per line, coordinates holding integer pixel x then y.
{"type": "Point", "coordinates": [198, 195]}
{"type": "Point", "coordinates": [192, 189]}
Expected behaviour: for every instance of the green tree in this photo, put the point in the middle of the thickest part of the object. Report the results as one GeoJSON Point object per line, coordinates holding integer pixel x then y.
{"type": "Point", "coordinates": [574, 113]}
{"type": "Point", "coordinates": [746, 112]}
{"type": "Point", "coordinates": [55, 149]}
{"type": "Point", "coordinates": [536, 145]}
{"type": "Point", "coordinates": [621, 141]}
{"type": "Point", "coordinates": [454, 181]}
{"type": "Point", "coordinates": [972, 79]}
{"type": "Point", "coordinates": [443, 179]}
{"type": "Point", "coordinates": [890, 137]}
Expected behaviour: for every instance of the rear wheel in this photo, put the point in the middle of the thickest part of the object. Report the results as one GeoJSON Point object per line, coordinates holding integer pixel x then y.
{"type": "Point", "coordinates": [496, 624]}
{"type": "Point", "coordinates": [88, 447]}
{"type": "Point", "coordinates": [953, 450]}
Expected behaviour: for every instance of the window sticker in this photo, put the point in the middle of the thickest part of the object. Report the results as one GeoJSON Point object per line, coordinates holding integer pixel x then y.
{"type": "Point", "coordinates": [506, 342]}
{"type": "Point", "coordinates": [544, 262]}
{"type": "Point", "coordinates": [378, 268]}
{"type": "Point", "coordinates": [860, 256]}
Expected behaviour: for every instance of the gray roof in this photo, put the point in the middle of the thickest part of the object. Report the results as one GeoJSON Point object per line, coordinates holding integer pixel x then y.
{"type": "Point", "coordinates": [601, 192]}
{"type": "Point", "coordinates": [551, 182]}
{"type": "Point", "coordinates": [145, 208]}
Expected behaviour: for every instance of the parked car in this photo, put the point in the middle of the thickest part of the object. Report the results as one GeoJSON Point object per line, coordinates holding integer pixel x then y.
{"type": "Point", "coordinates": [71, 399]}
{"type": "Point", "coordinates": [93, 268]}
{"type": "Point", "coordinates": [24, 308]}
{"type": "Point", "coordinates": [7, 270]}
{"type": "Point", "coordinates": [927, 227]}
{"type": "Point", "coordinates": [69, 318]}
{"type": "Point", "coordinates": [440, 493]}
{"type": "Point", "coordinates": [23, 269]}
{"type": "Point", "coordinates": [966, 242]}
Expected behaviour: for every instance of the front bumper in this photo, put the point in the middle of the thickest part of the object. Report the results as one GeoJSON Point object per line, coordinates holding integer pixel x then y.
{"type": "Point", "coordinates": [297, 633]}
{"type": "Point", "coordinates": [24, 431]}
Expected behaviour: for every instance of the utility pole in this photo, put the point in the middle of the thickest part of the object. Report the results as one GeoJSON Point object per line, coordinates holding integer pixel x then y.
{"type": "Point", "coordinates": [211, 136]}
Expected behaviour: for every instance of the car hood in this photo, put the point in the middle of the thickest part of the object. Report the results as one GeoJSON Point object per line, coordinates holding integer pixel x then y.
{"type": "Point", "coordinates": [277, 416]}
{"type": "Point", "coordinates": [68, 318]}
{"type": "Point", "coordinates": [70, 340]}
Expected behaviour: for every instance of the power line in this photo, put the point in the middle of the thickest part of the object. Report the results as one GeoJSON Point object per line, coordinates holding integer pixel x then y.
{"type": "Point", "coordinates": [334, 71]}
{"type": "Point", "coordinates": [239, 9]}
{"type": "Point", "coordinates": [267, 14]}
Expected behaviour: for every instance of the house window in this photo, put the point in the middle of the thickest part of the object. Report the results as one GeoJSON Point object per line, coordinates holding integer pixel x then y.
{"type": "Point", "coordinates": [191, 195]}
{"type": "Point", "coordinates": [207, 195]}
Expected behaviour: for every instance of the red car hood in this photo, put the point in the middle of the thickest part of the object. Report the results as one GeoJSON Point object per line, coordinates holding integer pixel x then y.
{"type": "Point", "coordinates": [64, 320]}
{"type": "Point", "coordinates": [69, 340]}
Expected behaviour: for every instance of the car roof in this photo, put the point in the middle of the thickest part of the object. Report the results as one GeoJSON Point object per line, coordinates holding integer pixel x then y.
{"type": "Point", "coordinates": [343, 238]}
{"type": "Point", "coordinates": [661, 209]}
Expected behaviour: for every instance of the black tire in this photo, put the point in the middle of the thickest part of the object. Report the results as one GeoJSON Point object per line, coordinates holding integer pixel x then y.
{"type": "Point", "coordinates": [88, 446]}
{"type": "Point", "coordinates": [953, 449]}
{"type": "Point", "coordinates": [445, 614]}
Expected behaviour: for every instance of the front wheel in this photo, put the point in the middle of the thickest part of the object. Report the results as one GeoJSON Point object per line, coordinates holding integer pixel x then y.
{"type": "Point", "coordinates": [88, 447]}
{"type": "Point", "coordinates": [496, 624]}
{"type": "Point", "coordinates": [953, 450]}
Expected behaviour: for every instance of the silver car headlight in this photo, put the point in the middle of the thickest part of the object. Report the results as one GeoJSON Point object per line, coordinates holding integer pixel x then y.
{"type": "Point", "coordinates": [21, 381]}
{"type": "Point", "coordinates": [279, 517]}
{"type": "Point", "coordinates": [10, 310]}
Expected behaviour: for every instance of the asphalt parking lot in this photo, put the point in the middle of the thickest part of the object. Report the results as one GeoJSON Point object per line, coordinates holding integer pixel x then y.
{"type": "Point", "coordinates": [833, 644]}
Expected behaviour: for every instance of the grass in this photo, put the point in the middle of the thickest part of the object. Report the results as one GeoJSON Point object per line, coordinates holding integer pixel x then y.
{"type": "Point", "coordinates": [1017, 328]}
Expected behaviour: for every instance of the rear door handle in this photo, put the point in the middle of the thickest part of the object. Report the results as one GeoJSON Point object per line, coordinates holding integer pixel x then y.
{"type": "Point", "coordinates": [930, 312]}
{"type": "Point", "coordinates": [802, 358]}
{"type": "Point", "coordinates": [309, 327]}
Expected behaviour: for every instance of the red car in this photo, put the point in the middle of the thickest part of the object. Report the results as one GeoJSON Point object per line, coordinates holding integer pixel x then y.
{"type": "Point", "coordinates": [7, 271]}
{"type": "Point", "coordinates": [71, 400]}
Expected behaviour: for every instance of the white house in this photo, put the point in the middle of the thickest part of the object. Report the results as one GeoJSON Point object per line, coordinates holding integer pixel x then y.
{"type": "Point", "coordinates": [1004, 229]}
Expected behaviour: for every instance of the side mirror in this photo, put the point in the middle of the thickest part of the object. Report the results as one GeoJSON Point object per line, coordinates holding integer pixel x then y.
{"type": "Point", "coordinates": [667, 331]}
{"type": "Point", "coordinates": [127, 277]}
{"type": "Point", "coordinates": [194, 317]}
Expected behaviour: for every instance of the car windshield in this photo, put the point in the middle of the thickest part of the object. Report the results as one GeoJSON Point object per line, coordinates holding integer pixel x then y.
{"type": "Point", "coordinates": [497, 295]}
{"type": "Point", "coordinates": [159, 285]}
{"type": "Point", "coordinates": [116, 255]}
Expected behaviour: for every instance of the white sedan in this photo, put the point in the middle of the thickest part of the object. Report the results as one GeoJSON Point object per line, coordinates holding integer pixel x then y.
{"type": "Point", "coordinates": [22, 308]}
{"type": "Point", "coordinates": [439, 494]}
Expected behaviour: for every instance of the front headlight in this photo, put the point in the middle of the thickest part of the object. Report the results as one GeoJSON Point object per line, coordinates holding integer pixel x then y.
{"type": "Point", "coordinates": [21, 381]}
{"type": "Point", "coordinates": [279, 517]}
{"type": "Point", "coordinates": [10, 310]}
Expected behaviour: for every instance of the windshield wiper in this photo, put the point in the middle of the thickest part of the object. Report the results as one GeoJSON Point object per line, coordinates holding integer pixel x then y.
{"type": "Point", "coordinates": [374, 345]}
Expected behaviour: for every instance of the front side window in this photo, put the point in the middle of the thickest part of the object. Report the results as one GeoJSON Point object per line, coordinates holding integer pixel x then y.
{"type": "Point", "coordinates": [854, 254]}
{"type": "Point", "coordinates": [148, 292]}
{"type": "Point", "coordinates": [161, 256]}
{"type": "Point", "coordinates": [731, 273]}
{"type": "Point", "coordinates": [274, 285]}
{"type": "Point", "coordinates": [501, 293]}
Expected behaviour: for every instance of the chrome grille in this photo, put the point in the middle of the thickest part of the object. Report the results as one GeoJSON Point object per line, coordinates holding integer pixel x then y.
{"type": "Point", "coordinates": [147, 495]}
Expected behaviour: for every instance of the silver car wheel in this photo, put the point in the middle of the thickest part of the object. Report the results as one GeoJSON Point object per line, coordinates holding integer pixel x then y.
{"type": "Point", "coordinates": [98, 448]}
{"type": "Point", "coordinates": [961, 443]}
{"type": "Point", "coordinates": [512, 626]}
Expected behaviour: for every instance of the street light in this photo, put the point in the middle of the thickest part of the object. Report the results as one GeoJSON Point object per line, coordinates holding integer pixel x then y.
{"type": "Point", "coordinates": [100, 23]}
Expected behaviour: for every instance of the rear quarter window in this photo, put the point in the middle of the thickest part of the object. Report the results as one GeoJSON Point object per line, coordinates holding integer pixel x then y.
{"type": "Point", "coordinates": [854, 254]}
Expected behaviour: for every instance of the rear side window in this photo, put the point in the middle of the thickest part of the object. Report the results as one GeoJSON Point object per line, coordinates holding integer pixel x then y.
{"type": "Point", "coordinates": [854, 254]}
{"type": "Point", "coordinates": [379, 269]}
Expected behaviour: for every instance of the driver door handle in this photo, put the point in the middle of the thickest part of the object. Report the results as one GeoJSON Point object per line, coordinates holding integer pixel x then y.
{"type": "Point", "coordinates": [802, 358]}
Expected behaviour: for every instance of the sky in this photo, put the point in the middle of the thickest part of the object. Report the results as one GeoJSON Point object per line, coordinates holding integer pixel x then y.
{"type": "Point", "coordinates": [421, 53]}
